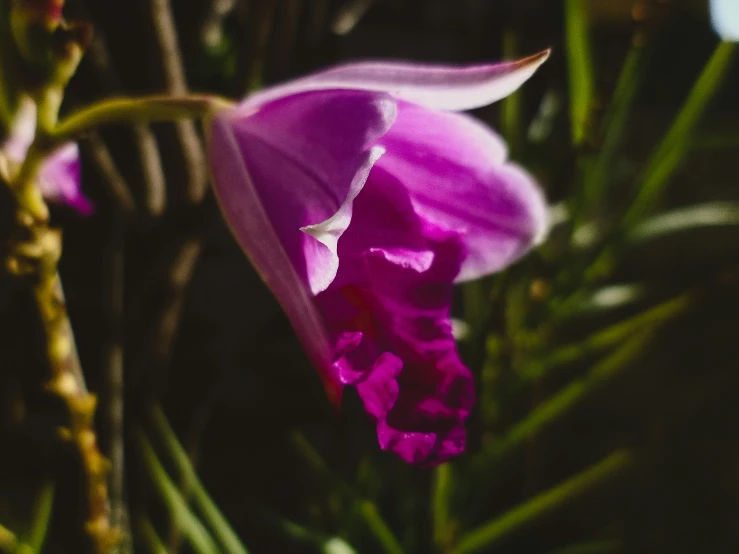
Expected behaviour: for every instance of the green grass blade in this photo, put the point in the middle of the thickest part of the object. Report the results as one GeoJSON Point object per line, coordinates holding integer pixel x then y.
{"type": "Point", "coordinates": [511, 117]}
{"type": "Point", "coordinates": [212, 516]}
{"type": "Point", "coordinates": [489, 534]}
{"type": "Point", "coordinates": [366, 509]}
{"type": "Point", "coordinates": [611, 336]}
{"type": "Point", "coordinates": [711, 214]}
{"type": "Point", "coordinates": [580, 68]}
{"type": "Point", "coordinates": [615, 124]}
{"type": "Point", "coordinates": [8, 540]}
{"type": "Point", "coordinates": [150, 538]}
{"type": "Point", "coordinates": [553, 409]}
{"type": "Point", "coordinates": [42, 512]}
{"type": "Point", "coordinates": [675, 144]}
{"type": "Point", "coordinates": [442, 487]}
{"type": "Point", "coordinates": [188, 524]}
{"type": "Point", "coordinates": [379, 528]}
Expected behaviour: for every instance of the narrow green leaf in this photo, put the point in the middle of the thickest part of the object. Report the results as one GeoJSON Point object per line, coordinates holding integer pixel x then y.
{"type": "Point", "coordinates": [608, 337]}
{"type": "Point", "coordinates": [213, 517]}
{"type": "Point", "coordinates": [150, 538]}
{"type": "Point", "coordinates": [713, 214]}
{"type": "Point", "coordinates": [529, 512]}
{"type": "Point", "coordinates": [580, 68]}
{"type": "Point", "coordinates": [442, 488]}
{"type": "Point", "coordinates": [511, 118]}
{"type": "Point", "coordinates": [42, 511]}
{"type": "Point", "coordinates": [672, 149]}
{"type": "Point", "coordinates": [366, 509]}
{"type": "Point", "coordinates": [188, 524]}
{"type": "Point", "coordinates": [564, 401]}
{"type": "Point", "coordinates": [380, 529]}
{"type": "Point", "coordinates": [8, 540]}
{"type": "Point", "coordinates": [615, 123]}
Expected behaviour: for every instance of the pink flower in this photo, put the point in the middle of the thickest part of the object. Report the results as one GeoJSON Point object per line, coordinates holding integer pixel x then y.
{"type": "Point", "coordinates": [59, 178]}
{"type": "Point", "coordinates": [361, 197]}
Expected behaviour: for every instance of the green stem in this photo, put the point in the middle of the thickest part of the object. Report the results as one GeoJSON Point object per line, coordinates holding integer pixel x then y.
{"type": "Point", "coordinates": [490, 534]}
{"type": "Point", "coordinates": [145, 109]}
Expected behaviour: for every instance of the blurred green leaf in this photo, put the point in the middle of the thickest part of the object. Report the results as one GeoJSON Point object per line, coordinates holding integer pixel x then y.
{"type": "Point", "coordinates": [150, 538]}
{"type": "Point", "coordinates": [366, 509]}
{"type": "Point", "coordinates": [611, 297]}
{"type": "Point", "coordinates": [546, 503]}
{"type": "Point", "coordinates": [442, 488]}
{"type": "Point", "coordinates": [188, 524]}
{"type": "Point", "coordinates": [213, 517]}
{"type": "Point", "coordinates": [580, 68]}
{"type": "Point", "coordinates": [551, 410]}
{"type": "Point", "coordinates": [608, 337]}
{"type": "Point", "coordinates": [300, 533]}
{"type": "Point", "coordinates": [42, 512]}
{"type": "Point", "coordinates": [615, 123]}
{"type": "Point", "coordinates": [511, 120]}
{"type": "Point", "coordinates": [8, 540]}
{"type": "Point", "coordinates": [713, 214]}
{"type": "Point", "coordinates": [674, 146]}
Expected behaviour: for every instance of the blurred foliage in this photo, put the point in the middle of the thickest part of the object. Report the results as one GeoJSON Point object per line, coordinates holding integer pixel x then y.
{"type": "Point", "coordinates": [606, 361]}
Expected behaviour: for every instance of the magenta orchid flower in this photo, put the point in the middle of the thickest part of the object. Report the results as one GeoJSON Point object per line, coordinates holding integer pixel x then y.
{"type": "Point", "coordinates": [361, 197]}
{"type": "Point", "coordinates": [59, 178]}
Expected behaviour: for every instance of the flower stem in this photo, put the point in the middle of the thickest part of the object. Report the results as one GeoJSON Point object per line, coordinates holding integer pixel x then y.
{"type": "Point", "coordinates": [135, 110]}
{"type": "Point", "coordinates": [33, 256]}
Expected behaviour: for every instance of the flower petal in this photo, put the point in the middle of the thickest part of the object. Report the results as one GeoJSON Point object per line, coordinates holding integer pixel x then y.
{"type": "Point", "coordinates": [308, 156]}
{"type": "Point", "coordinates": [455, 172]}
{"type": "Point", "coordinates": [250, 223]}
{"type": "Point", "coordinates": [388, 311]}
{"type": "Point", "coordinates": [442, 87]}
{"type": "Point", "coordinates": [59, 179]}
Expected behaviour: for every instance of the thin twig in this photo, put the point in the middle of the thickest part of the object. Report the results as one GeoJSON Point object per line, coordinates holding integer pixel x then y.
{"type": "Point", "coordinates": [114, 370]}
{"type": "Point", "coordinates": [117, 186]}
{"type": "Point", "coordinates": [173, 72]}
{"type": "Point", "coordinates": [146, 145]}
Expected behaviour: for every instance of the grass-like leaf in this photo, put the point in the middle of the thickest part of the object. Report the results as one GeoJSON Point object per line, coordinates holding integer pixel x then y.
{"type": "Point", "coordinates": [672, 149]}
{"type": "Point", "coordinates": [187, 522]}
{"type": "Point", "coordinates": [579, 67]}
{"type": "Point", "coordinates": [212, 516]}
{"type": "Point", "coordinates": [489, 534]}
